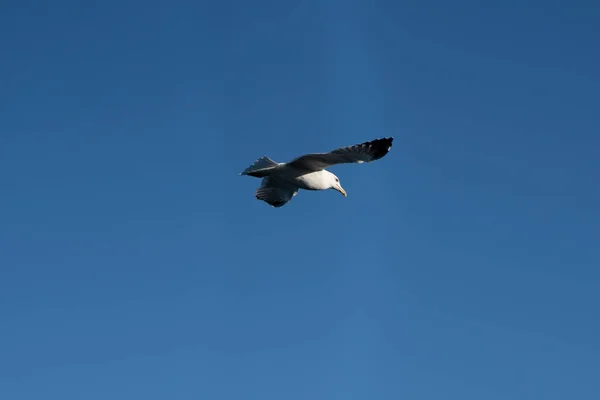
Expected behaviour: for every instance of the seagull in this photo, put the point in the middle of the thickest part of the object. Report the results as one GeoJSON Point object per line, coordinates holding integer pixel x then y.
{"type": "Point", "coordinates": [281, 181]}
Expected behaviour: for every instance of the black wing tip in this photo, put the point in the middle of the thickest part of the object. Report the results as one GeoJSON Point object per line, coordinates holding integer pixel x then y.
{"type": "Point", "coordinates": [274, 204]}
{"type": "Point", "coordinates": [380, 147]}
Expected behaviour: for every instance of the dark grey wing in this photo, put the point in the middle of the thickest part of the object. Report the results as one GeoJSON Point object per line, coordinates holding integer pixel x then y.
{"type": "Point", "coordinates": [274, 192]}
{"type": "Point", "coordinates": [359, 153]}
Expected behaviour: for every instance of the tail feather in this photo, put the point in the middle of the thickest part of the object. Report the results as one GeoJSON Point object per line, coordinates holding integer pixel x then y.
{"type": "Point", "coordinates": [260, 168]}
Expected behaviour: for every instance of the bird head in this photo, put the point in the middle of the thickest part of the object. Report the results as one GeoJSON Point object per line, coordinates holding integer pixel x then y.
{"type": "Point", "coordinates": [335, 184]}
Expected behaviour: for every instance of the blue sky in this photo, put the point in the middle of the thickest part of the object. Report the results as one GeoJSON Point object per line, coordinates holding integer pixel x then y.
{"type": "Point", "coordinates": [136, 263]}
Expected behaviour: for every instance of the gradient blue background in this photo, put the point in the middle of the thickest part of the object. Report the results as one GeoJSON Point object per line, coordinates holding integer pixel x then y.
{"type": "Point", "coordinates": [136, 263]}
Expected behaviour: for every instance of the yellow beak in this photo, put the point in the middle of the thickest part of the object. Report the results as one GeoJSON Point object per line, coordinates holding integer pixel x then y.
{"type": "Point", "coordinates": [341, 190]}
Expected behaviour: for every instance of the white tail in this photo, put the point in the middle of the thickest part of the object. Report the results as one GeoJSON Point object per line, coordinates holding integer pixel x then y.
{"type": "Point", "coordinates": [260, 168]}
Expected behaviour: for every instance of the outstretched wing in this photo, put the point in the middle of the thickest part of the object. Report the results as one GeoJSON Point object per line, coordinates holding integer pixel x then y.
{"type": "Point", "coordinates": [274, 192]}
{"type": "Point", "coordinates": [359, 153]}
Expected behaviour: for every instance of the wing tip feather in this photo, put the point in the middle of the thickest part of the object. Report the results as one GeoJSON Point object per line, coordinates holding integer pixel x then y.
{"type": "Point", "coordinates": [380, 147]}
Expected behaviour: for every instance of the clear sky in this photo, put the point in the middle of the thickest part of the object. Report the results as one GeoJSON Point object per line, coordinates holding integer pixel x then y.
{"type": "Point", "coordinates": [135, 262]}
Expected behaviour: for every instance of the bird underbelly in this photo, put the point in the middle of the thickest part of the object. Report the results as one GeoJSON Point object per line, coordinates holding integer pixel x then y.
{"type": "Point", "coordinates": [316, 180]}
{"type": "Point", "coordinates": [311, 181]}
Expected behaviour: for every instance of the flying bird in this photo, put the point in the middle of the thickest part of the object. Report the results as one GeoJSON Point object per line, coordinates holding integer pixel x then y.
{"type": "Point", "coordinates": [281, 181]}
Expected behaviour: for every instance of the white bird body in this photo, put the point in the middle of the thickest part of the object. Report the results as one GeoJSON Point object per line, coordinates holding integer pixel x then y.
{"type": "Point", "coordinates": [317, 180]}
{"type": "Point", "coordinates": [281, 181]}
